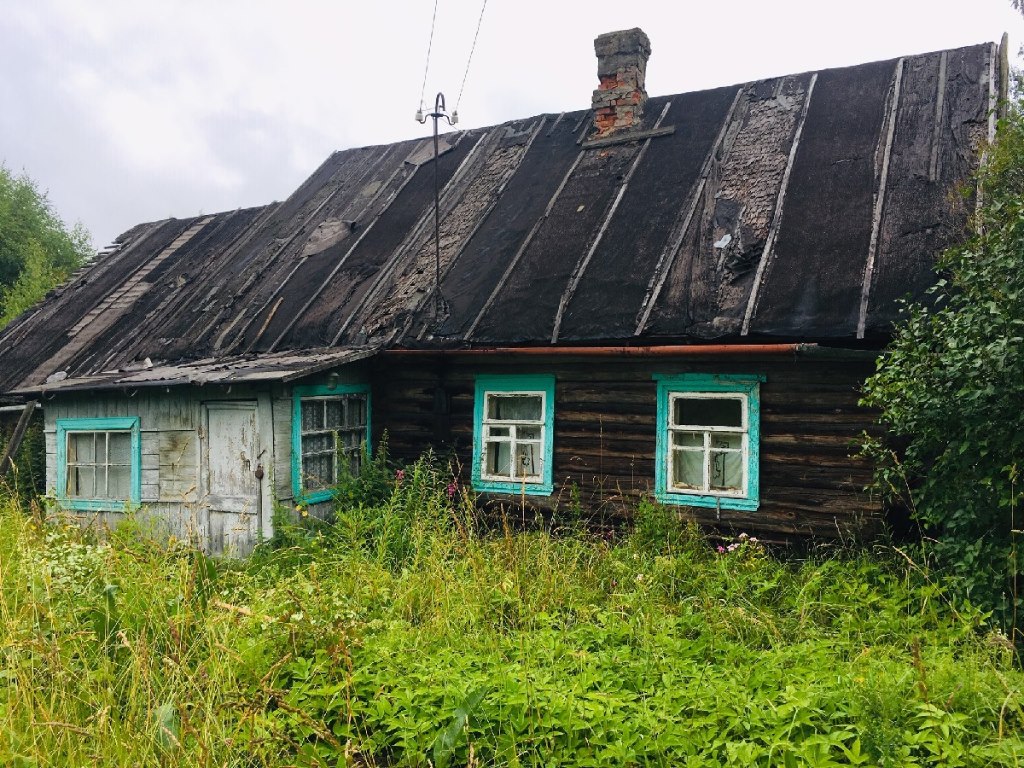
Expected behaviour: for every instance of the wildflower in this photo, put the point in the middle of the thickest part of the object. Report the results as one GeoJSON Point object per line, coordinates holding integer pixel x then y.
{"type": "Point", "coordinates": [743, 537]}
{"type": "Point", "coordinates": [453, 488]}
{"type": "Point", "coordinates": [399, 475]}
{"type": "Point", "coordinates": [720, 549]}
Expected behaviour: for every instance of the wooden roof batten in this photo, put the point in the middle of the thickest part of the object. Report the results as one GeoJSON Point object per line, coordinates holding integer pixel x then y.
{"type": "Point", "coordinates": [876, 217]}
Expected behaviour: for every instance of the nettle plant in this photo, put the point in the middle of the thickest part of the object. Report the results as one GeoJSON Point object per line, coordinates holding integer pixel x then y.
{"type": "Point", "coordinates": [950, 390]}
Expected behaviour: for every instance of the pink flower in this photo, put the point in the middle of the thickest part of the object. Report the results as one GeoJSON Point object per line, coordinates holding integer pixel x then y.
{"type": "Point", "coordinates": [399, 475]}
{"type": "Point", "coordinates": [453, 488]}
{"type": "Point", "coordinates": [720, 549]}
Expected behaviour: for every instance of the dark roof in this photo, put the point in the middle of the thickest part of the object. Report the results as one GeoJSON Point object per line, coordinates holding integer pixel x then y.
{"type": "Point", "coordinates": [799, 207]}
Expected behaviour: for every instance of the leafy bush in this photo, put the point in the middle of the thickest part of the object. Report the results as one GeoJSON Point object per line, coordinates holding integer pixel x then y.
{"type": "Point", "coordinates": [950, 389]}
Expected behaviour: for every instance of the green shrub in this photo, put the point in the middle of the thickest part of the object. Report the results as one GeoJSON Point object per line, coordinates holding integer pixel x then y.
{"type": "Point", "coordinates": [950, 388]}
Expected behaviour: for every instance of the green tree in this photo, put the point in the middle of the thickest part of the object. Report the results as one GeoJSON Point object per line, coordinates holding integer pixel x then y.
{"type": "Point", "coordinates": [37, 251]}
{"type": "Point", "coordinates": [950, 389]}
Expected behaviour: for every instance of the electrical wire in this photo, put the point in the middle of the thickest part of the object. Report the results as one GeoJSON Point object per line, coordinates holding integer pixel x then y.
{"type": "Point", "coordinates": [479, 22]}
{"type": "Point", "coordinates": [430, 44]}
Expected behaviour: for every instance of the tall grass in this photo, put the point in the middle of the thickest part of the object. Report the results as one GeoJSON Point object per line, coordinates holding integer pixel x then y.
{"type": "Point", "coordinates": [402, 634]}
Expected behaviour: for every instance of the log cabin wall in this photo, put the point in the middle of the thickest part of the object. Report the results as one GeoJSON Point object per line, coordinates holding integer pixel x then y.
{"type": "Point", "coordinates": [811, 483]}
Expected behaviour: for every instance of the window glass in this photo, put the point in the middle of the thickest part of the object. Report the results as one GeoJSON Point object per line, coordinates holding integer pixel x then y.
{"type": "Point", "coordinates": [726, 471]}
{"type": "Point", "coordinates": [515, 407]}
{"type": "Point", "coordinates": [120, 447]}
{"type": "Point", "coordinates": [688, 469]}
{"type": "Point", "coordinates": [334, 410]}
{"type": "Point", "coordinates": [82, 482]}
{"type": "Point", "coordinates": [512, 435]}
{"type": "Point", "coordinates": [708, 412]}
{"type": "Point", "coordinates": [82, 447]}
{"type": "Point", "coordinates": [499, 457]}
{"type": "Point", "coordinates": [118, 481]}
{"type": "Point", "coordinates": [312, 415]}
{"type": "Point", "coordinates": [332, 427]}
{"type": "Point", "coordinates": [98, 465]}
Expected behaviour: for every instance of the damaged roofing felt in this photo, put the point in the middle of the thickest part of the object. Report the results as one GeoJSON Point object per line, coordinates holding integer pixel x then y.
{"type": "Point", "coordinates": [797, 207]}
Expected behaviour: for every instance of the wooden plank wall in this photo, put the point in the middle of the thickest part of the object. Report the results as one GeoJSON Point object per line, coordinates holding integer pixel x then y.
{"type": "Point", "coordinates": [170, 423]}
{"type": "Point", "coordinates": [604, 440]}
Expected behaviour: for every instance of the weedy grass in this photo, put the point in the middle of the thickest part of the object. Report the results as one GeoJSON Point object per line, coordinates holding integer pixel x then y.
{"type": "Point", "coordinates": [404, 634]}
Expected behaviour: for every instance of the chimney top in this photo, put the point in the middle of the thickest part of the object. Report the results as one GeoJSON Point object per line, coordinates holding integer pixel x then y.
{"type": "Point", "coordinates": [618, 102]}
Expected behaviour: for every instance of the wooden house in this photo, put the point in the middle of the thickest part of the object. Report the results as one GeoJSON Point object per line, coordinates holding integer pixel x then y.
{"type": "Point", "coordinates": [674, 296]}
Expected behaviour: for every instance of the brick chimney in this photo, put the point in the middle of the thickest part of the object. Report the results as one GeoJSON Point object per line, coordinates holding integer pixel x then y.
{"type": "Point", "coordinates": [619, 100]}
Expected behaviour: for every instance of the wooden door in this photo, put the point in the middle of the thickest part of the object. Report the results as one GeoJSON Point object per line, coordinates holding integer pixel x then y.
{"type": "Point", "coordinates": [232, 488]}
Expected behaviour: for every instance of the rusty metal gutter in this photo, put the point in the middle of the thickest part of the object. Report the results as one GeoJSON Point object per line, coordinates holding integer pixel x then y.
{"type": "Point", "coordinates": [662, 350]}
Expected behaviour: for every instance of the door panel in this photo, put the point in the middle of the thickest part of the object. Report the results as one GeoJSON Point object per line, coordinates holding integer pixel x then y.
{"type": "Point", "coordinates": [232, 489]}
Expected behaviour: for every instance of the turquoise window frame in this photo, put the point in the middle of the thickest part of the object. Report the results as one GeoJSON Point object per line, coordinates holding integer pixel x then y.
{"type": "Point", "coordinates": [502, 384]}
{"type": "Point", "coordinates": [130, 424]}
{"type": "Point", "coordinates": [319, 390]}
{"type": "Point", "coordinates": [747, 385]}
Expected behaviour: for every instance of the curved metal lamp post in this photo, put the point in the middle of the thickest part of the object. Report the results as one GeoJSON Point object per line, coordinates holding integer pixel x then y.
{"type": "Point", "coordinates": [438, 113]}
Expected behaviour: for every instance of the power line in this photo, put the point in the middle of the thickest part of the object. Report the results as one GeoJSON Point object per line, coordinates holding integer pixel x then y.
{"type": "Point", "coordinates": [430, 44]}
{"type": "Point", "coordinates": [480, 21]}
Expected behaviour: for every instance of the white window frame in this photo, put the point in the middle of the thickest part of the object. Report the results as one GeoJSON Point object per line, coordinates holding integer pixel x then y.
{"type": "Point", "coordinates": [519, 385]}
{"type": "Point", "coordinates": [706, 450]}
{"type": "Point", "coordinates": [513, 426]}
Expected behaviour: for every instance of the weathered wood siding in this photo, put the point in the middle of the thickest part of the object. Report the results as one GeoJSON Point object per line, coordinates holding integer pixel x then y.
{"type": "Point", "coordinates": [172, 424]}
{"type": "Point", "coordinates": [604, 441]}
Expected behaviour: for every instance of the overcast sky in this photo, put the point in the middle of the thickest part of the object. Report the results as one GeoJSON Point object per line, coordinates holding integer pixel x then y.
{"type": "Point", "coordinates": [129, 111]}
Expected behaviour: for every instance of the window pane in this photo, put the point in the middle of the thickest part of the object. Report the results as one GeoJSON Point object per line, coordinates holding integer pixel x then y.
{"type": "Point", "coordinates": [317, 442]}
{"type": "Point", "coordinates": [731, 440]}
{"type": "Point", "coordinates": [708, 411]}
{"type": "Point", "coordinates": [499, 431]}
{"type": "Point", "coordinates": [101, 449]}
{"type": "Point", "coordinates": [356, 411]}
{"type": "Point", "coordinates": [120, 447]}
{"type": "Point", "coordinates": [312, 415]}
{"type": "Point", "coordinates": [118, 478]}
{"type": "Point", "coordinates": [82, 448]}
{"type": "Point", "coordinates": [317, 472]}
{"type": "Point", "coordinates": [497, 460]}
{"type": "Point", "coordinates": [691, 439]}
{"type": "Point", "coordinates": [529, 462]}
{"type": "Point", "coordinates": [688, 469]}
{"type": "Point", "coordinates": [355, 462]}
{"type": "Point", "coordinates": [334, 413]}
{"type": "Point", "coordinates": [726, 471]}
{"type": "Point", "coordinates": [82, 482]}
{"type": "Point", "coordinates": [514, 407]}
{"type": "Point", "coordinates": [351, 439]}
{"type": "Point", "coordinates": [528, 433]}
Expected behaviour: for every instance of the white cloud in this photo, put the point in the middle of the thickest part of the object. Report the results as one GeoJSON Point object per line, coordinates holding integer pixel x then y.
{"type": "Point", "coordinates": [130, 111]}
